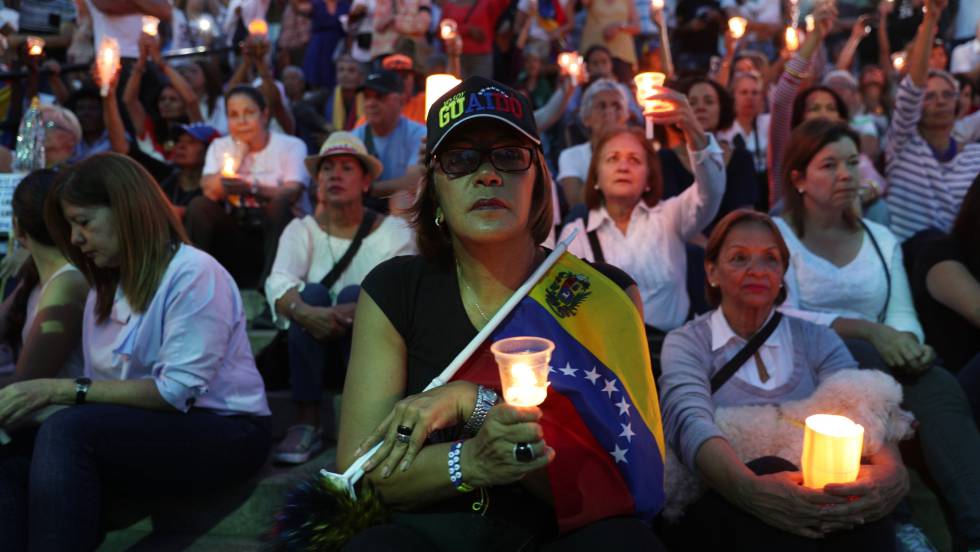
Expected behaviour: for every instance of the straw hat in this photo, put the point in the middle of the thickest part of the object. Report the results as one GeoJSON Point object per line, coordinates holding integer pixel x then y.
{"type": "Point", "coordinates": [344, 143]}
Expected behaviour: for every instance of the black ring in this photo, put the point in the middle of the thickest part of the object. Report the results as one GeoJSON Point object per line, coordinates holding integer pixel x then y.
{"type": "Point", "coordinates": [403, 434]}
{"type": "Point", "coordinates": [523, 452]}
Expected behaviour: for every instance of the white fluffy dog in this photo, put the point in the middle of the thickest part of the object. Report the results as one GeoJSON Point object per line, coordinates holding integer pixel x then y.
{"type": "Point", "coordinates": [868, 397]}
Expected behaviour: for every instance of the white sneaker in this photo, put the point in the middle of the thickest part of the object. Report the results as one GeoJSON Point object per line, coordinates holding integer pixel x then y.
{"type": "Point", "coordinates": [300, 443]}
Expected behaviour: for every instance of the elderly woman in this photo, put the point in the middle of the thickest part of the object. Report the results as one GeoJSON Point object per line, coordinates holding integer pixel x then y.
{"type": "Point", "coordinates": [316, 276]}
{"type": "Point", "coordinates": [484, 207]}
{"type": "Point", "coordinates": [762, 505]}
{"type": "Point", "coordinates": [62, 134]}
{"type": "Point", "coordinates": [170, 399]}
{"type": "Point", "coordinates": [629, 226]}
{"type": "Point", "coordinates": [928, 170]}
{"type": "Point", "coordinates": [847, 272]}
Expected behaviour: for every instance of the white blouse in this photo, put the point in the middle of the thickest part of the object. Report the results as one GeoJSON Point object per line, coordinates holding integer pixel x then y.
{"type": "Point", "coordinates": [652, 250]}
{"type": "Point", "coordinates": [306, 254]}
{"type": "Point", "coordinates": [820, 291]}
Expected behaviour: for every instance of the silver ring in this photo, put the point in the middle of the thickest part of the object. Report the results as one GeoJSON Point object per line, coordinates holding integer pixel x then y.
{"type": "Point", "coordinates": [403, 434]}
{"type": "Point", "coordinates": [523, 452]}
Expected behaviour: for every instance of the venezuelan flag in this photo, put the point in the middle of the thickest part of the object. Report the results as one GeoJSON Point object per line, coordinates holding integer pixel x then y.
{"type": "Point", "coordinates": [601, 416]}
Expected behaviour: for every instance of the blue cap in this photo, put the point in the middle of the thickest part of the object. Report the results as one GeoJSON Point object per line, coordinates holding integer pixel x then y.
{"type": "Point", "coordinates": [201, 132]}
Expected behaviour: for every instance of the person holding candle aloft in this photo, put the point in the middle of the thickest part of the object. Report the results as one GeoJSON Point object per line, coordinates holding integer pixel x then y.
{"type": "Point", "coordinates": [762, 505]}
{"type": "Point", "coordinates": [484, 206]}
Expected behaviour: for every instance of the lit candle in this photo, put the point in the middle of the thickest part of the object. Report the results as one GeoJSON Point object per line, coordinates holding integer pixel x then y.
{"type": "Point", "coordinates": [831, 450]}
{"type": "Point", "coordinates": [647, 84]}
{"type": "Point", "coordinates": [258, 27]}
{"type": "Point", "coordinates": [523, 364]}
{"type": "Point", "coordinates": [204, 25]}
{"type": "Point", "coordinates": [898, 61]}
{"type": "Point", "coordinates": [792, 39]}
{"type": "Point", "coordinates": [657, 5]}
{"type": "Point", "coordinates": [437, 85]}
{"type": "Point", "coordinates": [448, 29]}
{"type": "Point", "coordinates": [35, 46]}
{"type": "Point", "coordinates": [737, 26]}
{"type": "Point", "coordinates": [228, 166]}
{"type": "Point", "coordinates": [572, 63]}
{"type": "Point", "coordinates": [150, 25]}
{"type": "Point", "coordinates": [811, 23]}
{"type": "Point", "coordinates": [108, 62]}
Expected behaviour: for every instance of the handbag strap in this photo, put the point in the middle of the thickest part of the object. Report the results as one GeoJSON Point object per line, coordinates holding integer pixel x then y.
{"type": "Point", "coordinates": [366, 224]}
{"type": "Point", "coordinates": [750, 348]}
{"type": "Point", "coordinates": [888, 276]}
{"type": "Point", "coordinates": [594, 242]}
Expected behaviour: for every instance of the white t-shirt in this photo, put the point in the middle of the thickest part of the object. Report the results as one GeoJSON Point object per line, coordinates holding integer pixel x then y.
{"type": "Point", "coordinates": [126, 29]}
{"type": "Point", "coordinates": [574, 162]}
{"type": "Point", "coordinates": [306, 254]}
{"type": "Point", "coordinates": [279, 162]}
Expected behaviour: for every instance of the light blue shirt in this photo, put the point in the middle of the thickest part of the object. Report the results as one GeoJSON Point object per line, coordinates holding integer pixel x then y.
{"type": "Point", "coordinates": [191, 340]}
{"type": "Point", "coordinates": [398, 150]}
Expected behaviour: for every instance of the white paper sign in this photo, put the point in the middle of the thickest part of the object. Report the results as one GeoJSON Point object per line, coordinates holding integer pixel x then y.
{"type": "Point", "coordinates": [8, 183]}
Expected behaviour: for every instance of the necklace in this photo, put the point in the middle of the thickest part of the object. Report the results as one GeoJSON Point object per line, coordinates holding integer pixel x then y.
{"type": "Point", "coordinates": [326, 230]}
{"type": "Point", "coordinates": [476, 302]}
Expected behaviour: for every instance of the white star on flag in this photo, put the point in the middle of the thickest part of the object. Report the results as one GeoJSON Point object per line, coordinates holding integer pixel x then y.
{"type": "Point", "coordinates": [610, 388]}
{"type": "Point", "coordinates": [568, 370]}
{"type": "Point", "coordinates": [620, 455]}
{"type": "Point", "coordinates": [624, 407]}
{"type": "Point", "coordinates": [627, 432]}
{"type": "Point", "coordinates": [592, 375]}
{"type": "Point", "coordinates": [551, 370]}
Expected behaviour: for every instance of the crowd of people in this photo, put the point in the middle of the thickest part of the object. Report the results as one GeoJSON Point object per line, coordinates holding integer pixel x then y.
{"type": "Point", "coordinates": [808, 202]}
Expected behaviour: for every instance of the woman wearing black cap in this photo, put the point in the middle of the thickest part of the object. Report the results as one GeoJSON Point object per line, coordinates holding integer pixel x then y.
{"type": "Point", "coordinates": [480, 216]}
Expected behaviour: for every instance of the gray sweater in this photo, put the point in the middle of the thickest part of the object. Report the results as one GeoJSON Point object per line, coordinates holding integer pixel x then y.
{"type": "Point", "coordinates": [688, 363]}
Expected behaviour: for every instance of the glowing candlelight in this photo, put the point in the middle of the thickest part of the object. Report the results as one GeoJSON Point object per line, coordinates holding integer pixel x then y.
{"type": "Point", "coordinates": [573, 64]}
{"type": "Point", "coordinates": [811, 23]}
{"type": "Point", "coordinates": [657, 5]}
{"type": "Point", "coordinates": [228, 166]}
{"type": "Point", "coordinates": [648, 84]}
{"type": "Point", "coordinates": [150, 25]}
{"type": "Point", "coordinates": [448, 29]}
{"type": "Point", "coordinates": [831, 450]}
{"type": "Point", "coordinates": [204, 25]}
{"type": "Point", "coordinates": [437, 85]}
{"type": "Point", "coordinates": [737, 26]}
{"type": "Point", "coordinates": [108, 62]}
{"type": "Point", "coordinates": [523, 364]}
{"type": "Point", "coordinates": [258, 27]}
{"type": "Point", "coordinates": [792, 39]}
{"type": "Point", "coordinates": [898, 61]}
{"type": "Point", "coordinates": [35, 46]}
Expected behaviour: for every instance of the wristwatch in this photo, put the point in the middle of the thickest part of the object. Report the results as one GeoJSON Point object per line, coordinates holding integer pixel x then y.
{"type": "Point", "coordinates": [81, 389]}
{"type": "Point", "coordinates": [485, 399]}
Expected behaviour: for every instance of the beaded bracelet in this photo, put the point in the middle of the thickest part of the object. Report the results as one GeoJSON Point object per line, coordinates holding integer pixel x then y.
{"type": "Point", "coordinates": [455, 473]}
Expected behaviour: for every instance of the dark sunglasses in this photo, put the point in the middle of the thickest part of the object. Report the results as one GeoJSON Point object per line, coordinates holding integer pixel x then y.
{"type": "Point", "coordinates": [459, 162]}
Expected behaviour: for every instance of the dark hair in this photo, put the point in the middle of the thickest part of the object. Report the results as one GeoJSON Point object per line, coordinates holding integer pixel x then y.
{"type": "Point", "coordinates": [27, 205]}
{"type": "Point", "coordinates": [86, 92]}
{"type": "Point", "coordinates": [596, 48]}
{"type": "Point", "coordinates": [249, 91]}
{"type": "Point", "coordinates": [434, 241]}
{"type": "Point", "coordinates": [144, 221]}
{"type": "Point", "coordinates": [804, 143]}
{"type": "Point", "coordinates": [212, 83]}
{"type": "Point", "coordinates": [717, 238]}
{"type": "Point", "coordinates": [654, 184]}
{"type": "Point", "coordinates": [799, 104]}
{"type": "Point", "coordinates": [966, 228]}
{"type": "Point", "coordinates": [726, 113]}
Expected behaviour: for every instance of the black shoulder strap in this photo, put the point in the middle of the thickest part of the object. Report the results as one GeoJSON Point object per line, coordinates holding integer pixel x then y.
{"type": "Point", "coordinates": [597, 255]}
{"type": "Point", "coordinates": [884, 266]}
{"type": "Point", "coordinates": [362, 231]}
{"type": "Point", "coordinates": [732, 366]}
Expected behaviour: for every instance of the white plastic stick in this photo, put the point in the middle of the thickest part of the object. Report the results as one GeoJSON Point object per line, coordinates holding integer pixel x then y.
{"type": "Point", "coordinates": [356, 470]}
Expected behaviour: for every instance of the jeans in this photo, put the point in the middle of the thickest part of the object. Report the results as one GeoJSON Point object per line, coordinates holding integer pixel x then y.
{"type": "Point", "coordinates": [947, 432]}
{"type": "Point", "coordinates": [84, 452]}
{"type": "Point", "coordinates": [309, 357]}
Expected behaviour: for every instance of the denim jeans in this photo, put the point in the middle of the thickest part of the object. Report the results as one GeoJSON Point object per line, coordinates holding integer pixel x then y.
{"type": "Point", "coordinates": [53, 498]}
{"type": "Point", "coordinates": [947, 432]}
{"type": "Point", "coordinates": [309, 357]}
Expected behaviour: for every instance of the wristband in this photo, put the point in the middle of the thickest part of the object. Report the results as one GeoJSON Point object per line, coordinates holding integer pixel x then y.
{"type": "Point", "coordinates": [455, 473]}
{"type": "Point", "coordinates": [485, 399]}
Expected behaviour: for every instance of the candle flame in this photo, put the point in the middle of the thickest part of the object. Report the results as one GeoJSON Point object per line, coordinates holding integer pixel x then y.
{"type": "Point", "coordinates": [831, 450]}
{"type": "Point", "coordinates": [792, 39]}
{"type": "Point", "coordinates": [448, 29]}
{"type": "Point", "coordinates": [108, 62]}
{"type": "Point", "coordinates": [150, 25]}
{"type": "Point", "coordinates": [737, 26]}
{"type": "Point", "coordinates": [204, 24]}
{"type": "Point", "coordinates": [649, 84]}
{"type": "Point", "coordinates": [228, 166]}
{"type": "Point", "coordinates": [258, 27]}
{"type": "Point", "coordinates": [35, 45]}
{"type": "Point", "coordinates": [657, 4]}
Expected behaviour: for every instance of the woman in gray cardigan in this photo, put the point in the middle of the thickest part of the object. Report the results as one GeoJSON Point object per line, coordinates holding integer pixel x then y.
{"type": "Point", "coordinates": [762, 505]}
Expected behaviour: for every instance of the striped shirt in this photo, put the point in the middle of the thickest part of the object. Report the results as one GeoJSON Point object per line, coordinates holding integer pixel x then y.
{"type": "Point", "coordinates": [923, 192]}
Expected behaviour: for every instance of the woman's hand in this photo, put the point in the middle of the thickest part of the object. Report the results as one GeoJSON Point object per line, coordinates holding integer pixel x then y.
{"type": "Point", "coordinates": [861, 28]}
{"type": "Point", "coordinates": [681, 115]}
{"type": "Point", "coordinates": [20, 399]}
{"type": "Point", "coordinates": [435, 409]}
{"type": "Point", "coordinates": [825, 18]}
{"type": "Point", "coordinates": [150, 49]}
{"type": "Point", "coordinates": [324, 322]}
{"type": "Point", "coordinates": [878, 489]}
{"type": "Point", "coordinates": [780, 500]}
{"type": "Point", "coordinates": [901, 350]}
{"type": "Point", "coordinates": [488, 459]}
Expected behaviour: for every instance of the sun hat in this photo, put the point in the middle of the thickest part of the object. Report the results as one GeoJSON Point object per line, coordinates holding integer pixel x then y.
{"type": "Point", "coordinates": [344, 143]}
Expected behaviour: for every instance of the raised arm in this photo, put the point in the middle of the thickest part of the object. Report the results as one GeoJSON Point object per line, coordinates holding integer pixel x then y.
{"type": "Point", "coordinates": [951, 283]}
{"type": "Point", "coordinates": [131, 93]}
{"type": "Point", "coordinates": [177, 80]}
{"type": "Point", "coordinates": [858, 31]}
{"type": "Point", "coordinates": [918, 61]}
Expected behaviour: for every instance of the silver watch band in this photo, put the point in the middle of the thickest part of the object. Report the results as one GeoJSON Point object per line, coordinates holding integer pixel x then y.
{"type": "Point", "coordinates": [485, 399]}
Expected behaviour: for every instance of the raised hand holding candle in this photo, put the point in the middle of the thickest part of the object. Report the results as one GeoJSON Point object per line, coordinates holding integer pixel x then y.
{"type": "Point", "coordinates": [258, 27]}
{"type": "Point", "coordinates": [108, 62]}
{"type": "Point", "coordinates": [437, 85]}
{"type": "Point", "coordinates": [657, 5]}
{"type": "Point", "coordinates": [35, 46]}
{"type": "Point", "coordinates": [831, 450]}
{"type": "Point", "coordinates": [448, 29]}
{"type": "Point", "coordinates": [898, 61]}
{"type": "Point", "coordinates": [228, 165]}
{"type": "Point", "coordinates": [792, 39]}
{"type": "Point", "coordinates": [150, 25]}
{"type": "Point", "coordinates": [647, 84]}
{"type": "Point", "coordinates": [523, 364]}
{"type": "Point", "coordinates": [737, 26]}
{"type": "Point", "coordinates": [572, 63]}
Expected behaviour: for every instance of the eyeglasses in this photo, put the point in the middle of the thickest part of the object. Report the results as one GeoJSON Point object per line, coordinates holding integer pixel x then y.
{"type": "Point", "coordinates": [945, 94]}
{"type": "Point", "coordinates": [463, 161]}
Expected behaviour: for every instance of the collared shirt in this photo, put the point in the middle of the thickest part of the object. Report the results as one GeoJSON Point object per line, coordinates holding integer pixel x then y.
{"type": "Point", "coordinates": [190, 341]}
{"type": "Point", "coordinates": [652, 249]}
{"type": "Point", "coordinates": [756, 139]}
{"type": "Point", "coordinates": [776, 353]}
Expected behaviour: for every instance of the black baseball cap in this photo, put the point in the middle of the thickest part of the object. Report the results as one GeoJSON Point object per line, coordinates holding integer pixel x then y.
{"type": "Point", "coordinates": [478, 97]}
{"type": "Point", "coordinates": [386, 82]}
